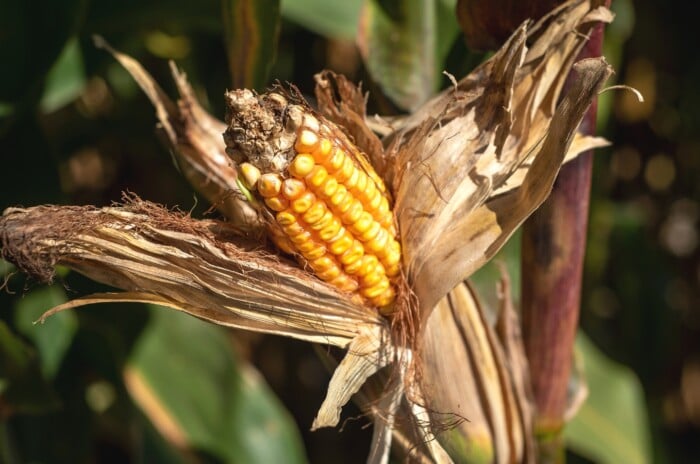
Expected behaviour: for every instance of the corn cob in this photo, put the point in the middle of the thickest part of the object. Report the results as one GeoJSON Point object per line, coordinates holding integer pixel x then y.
{"type": "Point", "coordinates": [325, 202]}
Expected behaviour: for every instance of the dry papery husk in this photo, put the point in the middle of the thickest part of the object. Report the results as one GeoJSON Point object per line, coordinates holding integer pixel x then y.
{"type": "Point", "coordinates": [465, 170]}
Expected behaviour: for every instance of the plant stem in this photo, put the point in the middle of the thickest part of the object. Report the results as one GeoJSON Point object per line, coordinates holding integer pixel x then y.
{"type": "Point", "coordinates": [553, 246]}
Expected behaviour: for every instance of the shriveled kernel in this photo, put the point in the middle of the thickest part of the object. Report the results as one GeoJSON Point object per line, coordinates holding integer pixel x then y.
{"type": "Point", "coordinates": [293, 188]}
{"type": "Point", "coordinates": [269, 185]}
{"type": "Point", "coordinates": [292, 229]}
{"type": "Point", "coordinates": [277, 203]}
{"type": "Point", "coordinates": [249, 174]}
{"type": "Point", "coordinates": [301, 165]}
{"type": "Point", "coordinates": [303, 203]}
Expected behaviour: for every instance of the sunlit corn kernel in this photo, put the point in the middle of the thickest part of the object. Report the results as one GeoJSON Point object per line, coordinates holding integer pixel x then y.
{"type": "Point", "coordinates": [311, 249]}
{"type": "Point", "coordinates": [353, 213]}
{"type": "Point", "coordinates": [393, 270]}
{"type": "Point", "coordinates": [370, 233]}
{"type": "Point", "coordinates": [354, 253]}
{"type": "Point", "coordinates": [322, 264]}
{"type": "Point", "coordinates": [269, 185]}
{"type": "Point", "coordinates": [329, 274]}
{"type": "Point", "coordinates": [385, 299]}
{"type": "Point", "coordinates": [317, 176]}
{"type": "Point", "coordinates": [351, 182]}
{"type": "Point", "coordinates": [370, 191]}
{"type": "Point", "coordinates": [378, 244]}
{"type": "Point", "coordinates": [345, 172]}
{"type": "Point", "coordinates": [344, 283]}
{"type": "Point", "coordinates": [302, 237]}
{"type": "Point", "coordinates": [277, 203]}
{"type": "Point", "coordinates": [362, 181]}
{"type": "Point", "coordinates": [335, 161]}
{"type": "Point", "coordinates": [292, 229]}
{"type": "Point", "coordinates": [329, 187]}
{"type": "Point", "coordinates": [376, 290]}
{"type": "Point", "coordinates": [369, 264]}
{"type": "Point", "coordinates": [314, 213]}
{"type": "Point", "coordinates": [303, 203]}
{"type": "Point", "coordinates": [373, 205]}
{"type": "Point", "coordinates": [363, 223]}
{"type": "Point", "coordinates": [322, 151]}
{"type": "Point", "coordinates": [330, 231]}
{"type": "Point", "coordinates": [301, 165]}
{"type": "Point", "coordinates": [394, 255]}
{"type": "Point", "coordinates": [285, 218]}
{"type": "Point", "coordinates": [307, 142]}
{"type": "Point", "coordinates": [324, 221]}
{"type": "Point", "coordinates": [249, 174]}
{"type": "Point", "coordinates": [340, 197]}
{"type": "Point", "coordinates": [373, 278]}
{"type": "Point", "coordinates": [341, 245]}
{"type": "Point", "coordinates": [293, 188]}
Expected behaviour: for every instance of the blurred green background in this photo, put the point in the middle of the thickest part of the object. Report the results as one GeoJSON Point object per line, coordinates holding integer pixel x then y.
{"type": "Point", "coordinates": [120, 383]}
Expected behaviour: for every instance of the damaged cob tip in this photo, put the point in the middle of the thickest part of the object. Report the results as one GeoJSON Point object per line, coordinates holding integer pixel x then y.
{"type": "Point", "coordinates": [324, 202]}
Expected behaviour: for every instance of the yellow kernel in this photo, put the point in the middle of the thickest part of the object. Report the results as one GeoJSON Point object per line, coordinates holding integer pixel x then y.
{"type": "Point", "coordinates": [373, 204]}
{"type": "Point", "coordinates": [352, 180]}
{"type": "Point", "coordinates": [373, 278]}
{"type": "Point", "coordinates": [322, 264]}
{"type": "Point", "coordinates": [394, 254]}
{"type": "Point", "coordinates": [324, 221]}
{"type": "Point", "coordinates": [335, 161]}
{"type": "Point", "coordinates": [269, 185]}
{"type": "Point", "coordinates": [315, 213]}
{"type": "Point", "coordinates": [277, 203]}
{"type": "Point", "coordinates": [303, 237]}
{"type": "Point", "coordinates": [322, 151]}
{"type": "Point", "coordinates": [362, 181]}
{"type": "Point", "coordinates": [369, 191]}
{"type": "Point", "coordinates": [341, 245]}
{"type": "Point", "coordinates": [311, 249]}
{"type": "Point", "coordinates": [369, 264]}
{"type": "Point", "coordinates": [378, 245]}
{"type": "Point", "coordinates": [316, 176]}
{"type": "Point", "coordinates": [285, 218]}
{"type": "Point", "coordinates": [354, 253]}
{"type": "Point", "coordinates": [340, 197]}
{"type": "Point", "coordinates": [307, 141]}
{"type": "Point", "coordinates": [385, 299]}
{"type": "Point", "coordinates": [330, 231]}
{"type": "Point", "coordinates": [293, 188]}
{"type": "Point", "coordinates": [363, 223]}
{"type": "Point", "coordinates": [376, 290]}
{"type": "Point", "coordinates": [353, 212]}
{"type": "Point", "coordinates": [329, 274]}
{"type": "Point", "coordinates": [329, 187]}
{"type": "Point", "coordinates": [344, 283]}
{"type": "Point", "coordinates": [303, 203]}
{"type": "Point", "coordinates": [393, 270]}
{"type": "Point", "coordinates": [250, 174]}
{"type": "Point", "coordinates": [292, 229]}
{"type": "Point", "coordinates": [346, 170]}
{"type": "Point", "coordinates": [301, 165]}
{"type": "Point", "coordinates": [370, 233]}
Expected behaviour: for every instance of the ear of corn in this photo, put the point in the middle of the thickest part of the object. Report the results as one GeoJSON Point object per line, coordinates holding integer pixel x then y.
{"type": "Point", "coordinates": [327, 204]}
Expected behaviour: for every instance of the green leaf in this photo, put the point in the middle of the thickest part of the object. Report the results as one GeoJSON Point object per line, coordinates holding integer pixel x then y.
{"type": "Point", "coordinates": [185, 376]}
{"type": "Point", "coordinates": [612, 426]}
{"type": "Point", "coordinates": [330, 19]}
{"type": "Point", "coordinates": [22, 386]}
{"type": "Point", "coordinates": [405, 43]}
{"type": "Point", "coordinates": [66, 78]}
{"type": "Point", "coordinates": [52, 338]}
{"type": "Point", "coordinates": [251, 30]}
